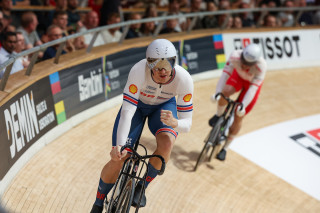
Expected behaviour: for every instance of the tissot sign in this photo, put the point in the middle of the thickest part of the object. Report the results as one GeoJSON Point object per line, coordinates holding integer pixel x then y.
{"type": "Point", "coordinates": [283, 49]}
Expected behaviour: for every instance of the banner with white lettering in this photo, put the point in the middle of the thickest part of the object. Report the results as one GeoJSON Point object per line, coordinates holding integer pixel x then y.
{"type": "Point", "coordinates": [23, 120]}
{"type": "Point", "coordinates": [283, 49]}
{"type": "Point", "coordinates": [77, 88]}
{"type": "Point", "coordinates": [117, 67]}
{"type": "Point", "coordinates": [199, 55]}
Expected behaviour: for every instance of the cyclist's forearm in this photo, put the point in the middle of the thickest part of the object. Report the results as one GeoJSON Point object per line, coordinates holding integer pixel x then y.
{"type": "Point", "coordinates": [124, 126]}
{"type": "Point", "coordinates": [184, 125]}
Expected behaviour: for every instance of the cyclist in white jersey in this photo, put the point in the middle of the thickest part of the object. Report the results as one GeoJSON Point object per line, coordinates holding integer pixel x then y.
{"type": "Point", "coordinates": [245, 70]}
{"type": "Point", "coordinates": [162, 91]}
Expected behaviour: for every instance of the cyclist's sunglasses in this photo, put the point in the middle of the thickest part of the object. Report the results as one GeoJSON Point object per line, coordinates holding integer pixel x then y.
{"type": "Point", "coordinates": [158, 64]}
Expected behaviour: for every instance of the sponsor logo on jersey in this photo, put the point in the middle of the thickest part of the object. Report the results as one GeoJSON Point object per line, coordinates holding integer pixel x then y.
{"type": "Point", "coordinates": [187, 98]}
{"type": "Point", "coordinates": [133, 89]}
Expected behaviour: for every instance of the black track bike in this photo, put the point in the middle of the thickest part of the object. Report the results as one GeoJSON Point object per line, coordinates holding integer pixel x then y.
{"type": "Point", "coordinates": [219, 131]}
{"type": "Point", "coordinates": [134, 170]}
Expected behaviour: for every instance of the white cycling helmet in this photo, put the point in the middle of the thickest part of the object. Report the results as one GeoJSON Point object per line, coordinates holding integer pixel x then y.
{"type": "Point", "coordinates": [251, 54]}
{"type": "Point", "coordinates": [161, 54]}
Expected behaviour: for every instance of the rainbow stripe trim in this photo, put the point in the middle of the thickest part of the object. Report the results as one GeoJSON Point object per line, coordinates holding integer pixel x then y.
{"type": "Point", "coordinates": [184, 108]}
{"type": "Point", "coordinates": [175, 134]}
{"type": "Point", "coordinates": [130, 99]}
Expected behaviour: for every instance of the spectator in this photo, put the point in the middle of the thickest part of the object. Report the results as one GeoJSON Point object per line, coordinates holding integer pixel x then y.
{"type": "Point", "coordinates": [170, 26]}
{"type": "Point", "coordinates": [73, 16]}
{"type": "Point", "coordinates": [270, 21]}
{"type": "Point", "coordinates": [147, 29]}
{"type": "Point", "coordinates": [21, 47]}
{"type": "Point", "coordinates": [107, 8]}
{"type": "Point", "coordinates": [237, 22]}
{"type": "Point", "coordinates": [61, 5]}
{"type": "Point", "coordinates": [54, 32]}
{"type": "Point", "coordinates": [196, 7]}
{"type": "Point", "coordinates": [114, 34]}
{"type": "Point", "coordinates": [8, 15]}
{"type": "Point", "coordinates": [29, 23]}
{"type": "Point", "coordinates": [79, 43]}
{"type": "Point", "coordinates": [8, 50]}
{"type": "Point", "coordinates": [174, 8]}
{"type": "Point", "coordinates": [91, 21]}
{"type": "Point", "coordinates": [306, 17]}
{"type": "Point", "coordinates": [246, 17]}
{"type": "Point", "coordinates": [287, 17]}
{"type": "Point", "coordinates": [2, 27]}
{"type": "Point", "coordinates": [210, 21]}
{"type": "Point", "coordinates": [61, 20]}
{"type": "Point", "coordinates": [134, 30]}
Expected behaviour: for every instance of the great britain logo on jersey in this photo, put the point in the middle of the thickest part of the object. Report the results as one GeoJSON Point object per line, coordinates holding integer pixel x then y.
{"type": "Point", "coordinates": [133, 89]}
{"type": "Point", "coordinates": [187, 98]}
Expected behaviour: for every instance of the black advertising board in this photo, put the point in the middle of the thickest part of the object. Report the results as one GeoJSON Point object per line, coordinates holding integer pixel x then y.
{"type": "Point", "coordinates": [117, 68]}
{"type": "Point", "coordinates": [77, 88]}
{"type": "Point", "coordinates": [198, 55]}
{"type": "Point", "coordinates": [23, 120]}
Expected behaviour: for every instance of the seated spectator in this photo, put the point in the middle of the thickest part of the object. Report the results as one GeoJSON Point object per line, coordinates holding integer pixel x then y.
{"type": "Point", "coordinates": [73, 15]}
{"type": "Point", "coordinates": [9, 16]}
{"type": "Point", "coordinates": [148, 28]}
{"type": "Point", "coordinates": [271, 21]}
{"type": "Point", "coordinates": [134, 30]}
{"type": "Point", "coordinates": [195, 8]}
{"type": "Point", "coordinates": [29, 23]}
{"type": "Point", "coordinates": [170, 26]}
{"type": "Point", "coordinates": [105, 9]}
{"type": "Point", "coordinates": [91, 21]}
{"type": "Point", "coordinates": [54, 32]}
{"type": "Point", "coordinates": [61, 5]}
{"type": "Point", "coordinates": [237, 22]}
{"type": "Point", "coordinates": [21, 2]}
{"type": "Point", "coordinates": [114, 34]}
{"type": "Point", "coordinates": [306, 17]}
{"type": "Point", "coordinates": [246, 17]}
{"type": "Point", "coordinates": [174, 9]}
{"type": "Point", "coordinates": [210, 21]}
{"type": "Point", "coordinates": [61, 20]}
{"type": "Point", "coordinates": [287, 17]}
{"type": "Point", "coordinates": [22, 47]}
{"type": "Point", "coordinates": [8, 50]}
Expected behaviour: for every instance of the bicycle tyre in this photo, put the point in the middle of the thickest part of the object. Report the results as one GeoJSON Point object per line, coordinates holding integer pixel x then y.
{"type": "Point", "coordinates": [216, 133]}
{"type": "Point", "coordinates": [209, 143]}
{"type": "Point", "coordinates": [126, 197]}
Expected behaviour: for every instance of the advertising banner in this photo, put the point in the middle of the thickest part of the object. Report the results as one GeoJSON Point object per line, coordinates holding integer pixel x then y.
{"type": "Point", "coordinates": [199, 55]}
{"type": "Point", "coordinates": [23, 120]}
{"type": "Point", "coordinates": [282, 49]}
{"type": "Point", "coordinates": [117, 67]}
{"type": "Point", "coordinates": [77, 88]}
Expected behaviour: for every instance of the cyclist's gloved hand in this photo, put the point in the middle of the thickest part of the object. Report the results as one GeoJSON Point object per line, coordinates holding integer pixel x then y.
{"type": "Point", "coordinates": [167, 118]}
{"type": "Point", "coordinates": [115, 153]}
{"type": "Point", "coordinates": [241, 111]}
{"type": "Point", "coordinates": [215, 97]}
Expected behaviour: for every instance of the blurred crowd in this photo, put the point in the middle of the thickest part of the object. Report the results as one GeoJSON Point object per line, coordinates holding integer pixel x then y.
{"type": "Point", "coordinates": [21, 30]}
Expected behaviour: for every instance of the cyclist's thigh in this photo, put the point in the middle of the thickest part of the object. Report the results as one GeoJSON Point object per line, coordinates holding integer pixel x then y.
{"type": "Point", "coordinates": [233, 84]}
{"type": "Point", "coordinates": [135, 128]}
{"type": "Point", "coordinates": [154, 122]}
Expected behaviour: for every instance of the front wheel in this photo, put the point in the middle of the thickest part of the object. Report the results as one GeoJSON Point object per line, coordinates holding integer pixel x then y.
{"type": "Point", "coordinates": [126, 197]}
{"type": "Point", "coordinates": [210, 143]}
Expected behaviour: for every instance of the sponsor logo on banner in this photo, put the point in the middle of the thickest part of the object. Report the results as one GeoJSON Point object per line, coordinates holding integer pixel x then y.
{"type": "Point", "coordinates": [24, 119]}
{"type": "Point", "coordinates": [276, 46]}
{"type": "Point", "coordinates": [91, 86]}
{"type": "Point", "coordinates": [310, 140]}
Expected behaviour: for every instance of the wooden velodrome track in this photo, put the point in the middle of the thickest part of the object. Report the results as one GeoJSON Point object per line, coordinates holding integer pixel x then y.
{"type": "Point", "coordinates": [63, 176]}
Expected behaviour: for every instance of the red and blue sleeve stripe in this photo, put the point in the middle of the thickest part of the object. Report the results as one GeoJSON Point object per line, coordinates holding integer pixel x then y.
{"type": "Point", "coordinates": [130, 99]}
{"type": "Point", "coordinates": [184, 108]}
